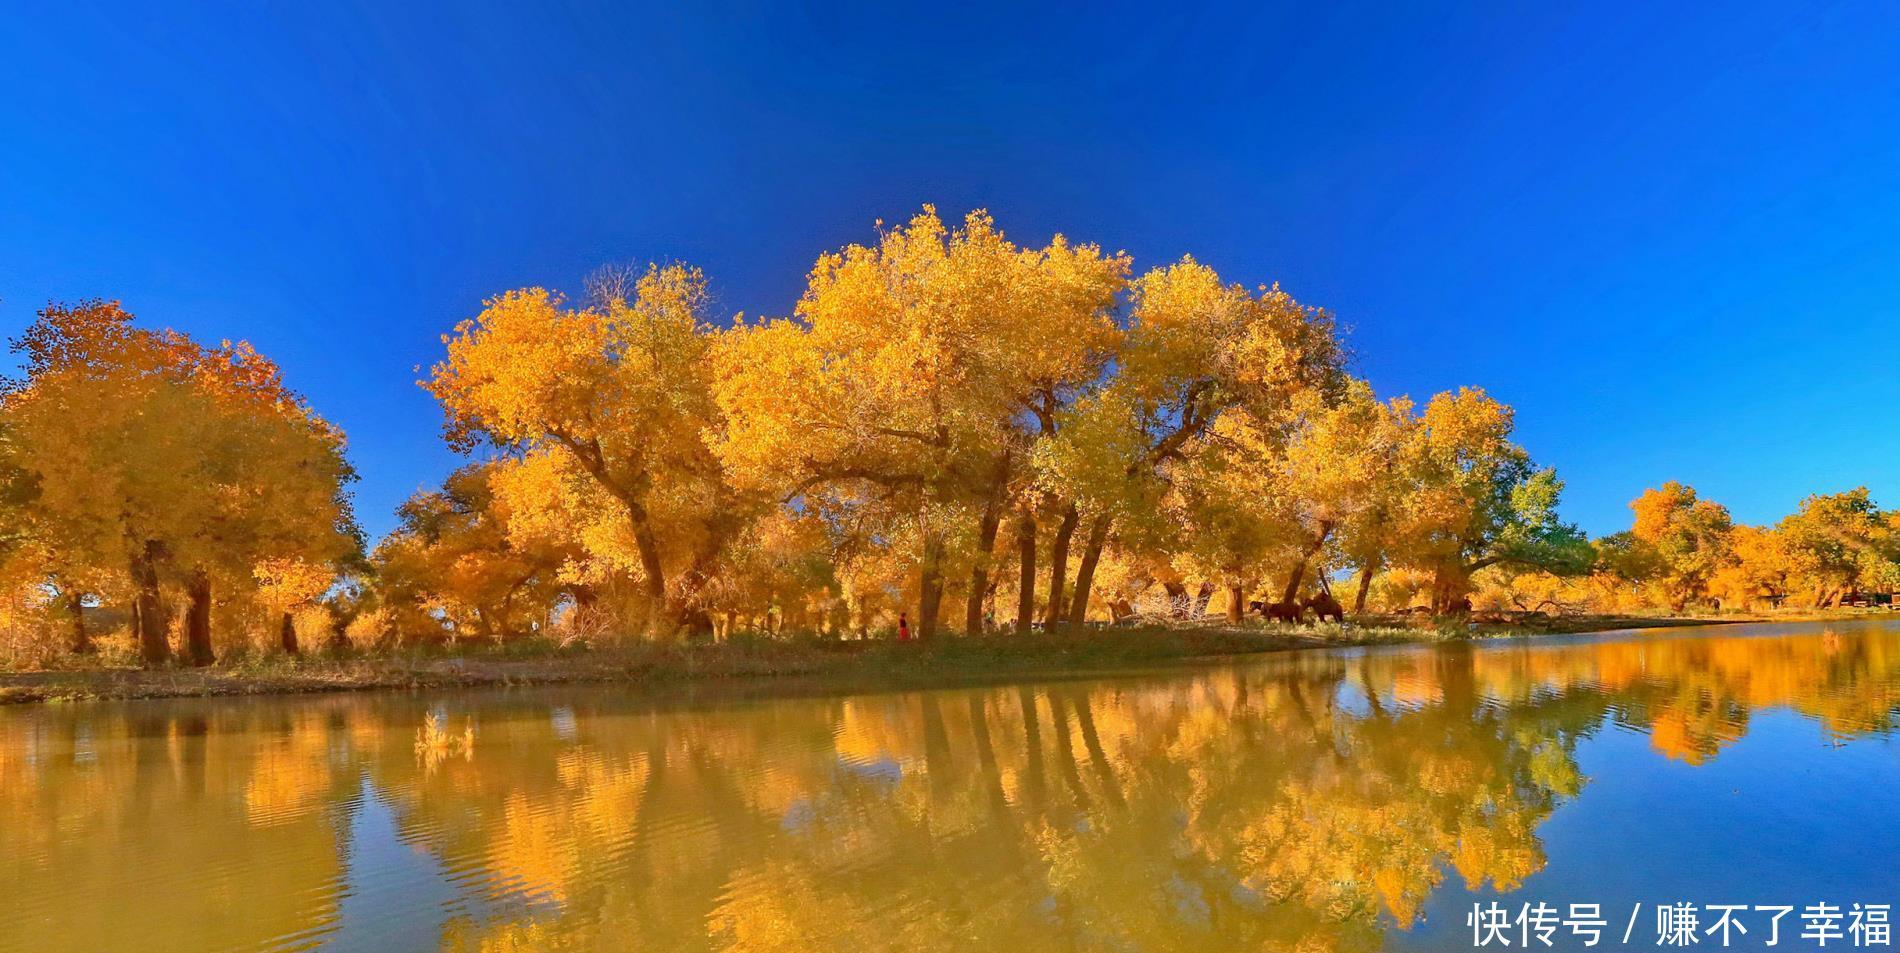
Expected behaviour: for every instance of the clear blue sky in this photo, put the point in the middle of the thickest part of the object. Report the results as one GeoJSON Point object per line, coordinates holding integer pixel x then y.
{"type": "Point", "coordinates": [1670, 238]}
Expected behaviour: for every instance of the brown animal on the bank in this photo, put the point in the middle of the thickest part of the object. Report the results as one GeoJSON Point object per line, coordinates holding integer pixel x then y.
{"type": "Point", "coordinates": [1324, 606]}
{"type": "Point", "coordinates": [1288, 612]}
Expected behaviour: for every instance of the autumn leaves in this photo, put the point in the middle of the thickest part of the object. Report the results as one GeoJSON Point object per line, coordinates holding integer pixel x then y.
{"type": "Point", "coordinates": [139, 462]}
{"type": "Point", "coordinates": [1036, 435]}
{"type": "Point", "coordinates": [865, 454]}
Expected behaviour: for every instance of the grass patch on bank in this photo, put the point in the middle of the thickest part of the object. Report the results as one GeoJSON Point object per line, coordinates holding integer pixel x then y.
{"type": "Point", "coordinates": [949, 659]}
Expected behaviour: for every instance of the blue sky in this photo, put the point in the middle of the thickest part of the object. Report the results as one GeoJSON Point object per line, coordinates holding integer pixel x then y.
{"type": "Point", "coordinates": [1670, 237]}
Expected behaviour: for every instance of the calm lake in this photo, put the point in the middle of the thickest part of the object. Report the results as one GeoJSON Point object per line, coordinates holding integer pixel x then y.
{"type": "Point", "coordinates": [1319, 800]}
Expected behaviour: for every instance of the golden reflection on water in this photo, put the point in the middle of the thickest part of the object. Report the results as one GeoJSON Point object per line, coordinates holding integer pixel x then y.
{"type": "Point", "coordinates": [1305, 802]}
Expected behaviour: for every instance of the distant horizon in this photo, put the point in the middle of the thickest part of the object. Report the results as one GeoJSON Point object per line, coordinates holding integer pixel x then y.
{"type": "Point", "coordinates": [1665, 241]}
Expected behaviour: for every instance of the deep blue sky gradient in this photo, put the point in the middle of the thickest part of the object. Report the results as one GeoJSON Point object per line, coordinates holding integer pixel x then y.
{"type": "Point", "coordinates": [1671, 238]}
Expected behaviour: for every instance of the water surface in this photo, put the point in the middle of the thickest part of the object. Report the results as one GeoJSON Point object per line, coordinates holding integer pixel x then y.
{"type": "Point", "coordinates": [1321, 800]}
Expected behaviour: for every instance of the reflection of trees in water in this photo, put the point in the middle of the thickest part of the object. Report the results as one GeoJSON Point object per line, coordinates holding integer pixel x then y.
{"type": "Point", "coordinates": [1307, 802]}
{"type": "Point", "coordinates": [119, 824]}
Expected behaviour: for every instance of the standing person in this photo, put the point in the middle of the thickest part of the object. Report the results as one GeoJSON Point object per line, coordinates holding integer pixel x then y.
{"type": "Point", "coordinates": [903, 627]}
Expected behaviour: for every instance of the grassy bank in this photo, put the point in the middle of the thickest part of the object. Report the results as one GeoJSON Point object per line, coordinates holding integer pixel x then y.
{"type": "Point", "coordinates": [949, 660]}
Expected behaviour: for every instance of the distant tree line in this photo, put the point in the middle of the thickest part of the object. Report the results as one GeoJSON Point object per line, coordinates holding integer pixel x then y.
{"type": "Point", "coordinates": [1035, 435]}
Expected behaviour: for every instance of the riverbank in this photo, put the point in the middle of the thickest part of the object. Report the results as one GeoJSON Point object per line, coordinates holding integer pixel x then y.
{"type": "Point", "coordinates": [949, 660]}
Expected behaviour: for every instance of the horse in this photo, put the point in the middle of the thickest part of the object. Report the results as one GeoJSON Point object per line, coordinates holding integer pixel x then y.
{"type": "Point", "coordinates": [1288, 612]}
{"type": "Point", "coordinates": [1324, 606]}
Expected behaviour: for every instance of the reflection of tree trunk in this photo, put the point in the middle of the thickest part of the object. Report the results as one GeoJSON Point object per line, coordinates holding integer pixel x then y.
{"type": "Point", "coordinates": [1033, 784]}
{"type": "Point", "coordinates": [1372, 694]}
{"type": "Point", "coordinates": [1301, 706]}
{"type": "Point", "coordinates": [986, 758]}
{"type": "Point", "coordinates": [985, 549]}
{"type": "Point", "coordinates": [148, 613]}
{"type": "Point", "coordinates": [1065, 751]}
{"type": "Point", "coordinates": [1366, 572]}
{"type": "Point", "coordinates": [1026, 582]}
{"type": "Point", "coordinates": [1454, 665]}
{"type": "Point", "coordinates": [930, 585]}
{"type": "Point", "coordinates": [287, 634]}
{"type": "Point", "coordinates": [198, 620]}
{"type": "Point", "coordinates": [1085, 576]}
{"type": "Point", "coordinates": [936, 749]}
{"type": "Point", "coordinates": [1059, 567]}
{"type": "Point", "coordinates": [1092, 742]}
{"type": "Point", "coordinates": [76, 607]}
{"type": "Point", "coordinates": [190, 763]}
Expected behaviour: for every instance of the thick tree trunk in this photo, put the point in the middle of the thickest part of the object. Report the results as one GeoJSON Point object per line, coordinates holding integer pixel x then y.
{"type": "Point", "coordinates": [1178, 600]}
{"type": "Point", "coordinates": [1293, 579]}
{"type": "Point", "coordinates": [198, 621]}
{"type": "Point", "coordinates": [1449, 589]}
{"type": "Point", "coordinates": [1236, 608]}
{"type": "Point", "coordinates": [1202, 597]}
{"type": "Point", "coordinates": [930, 586]}
{"type": "Point", "coordinates": [663, 619]}
{"type": "Point", "coordinates": [340, 619]}
{"type": "Point", "coordinates": [1059, 567]}
{"type": "Point", "coordinates": [1026, 581]}
{"type": "Point", "coordinates": [148, 612]}
{"type": "Point", "coordinates": [1085, 576]}
{"type": "Point", "coordinates": [287, 633]}
{"type": "Point", "coordinates": [1366, 573]}
{"type": "Point", "coordinates": [76, 610]}
{"type": "Point", "coordinates": [1306, 558]}
{"type": "Point", "coordinates": [660, 616]}
{"type": "Point", "coordinates": [986, 528]}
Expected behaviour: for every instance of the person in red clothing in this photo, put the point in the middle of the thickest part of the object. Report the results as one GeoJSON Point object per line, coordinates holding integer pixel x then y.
{"type": "Point", "coordinates": [903, 627]}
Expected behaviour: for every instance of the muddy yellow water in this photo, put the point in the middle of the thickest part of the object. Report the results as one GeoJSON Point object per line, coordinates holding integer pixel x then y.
{"type": "Point", "coordinates": [1350, 800]}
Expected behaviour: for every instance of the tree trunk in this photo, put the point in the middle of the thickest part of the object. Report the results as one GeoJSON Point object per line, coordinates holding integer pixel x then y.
{"type": "Point", "coordinates": [76, 606]}
{"type": "Point", "coordinates": [1449, 589]}
{"type": "Point", "coordinates": [985, 548]}
{"type": "Point", "coordinates": [660, 616]}
{"type": "Point", "coordinates": [930, 586]}
{"type": "Point", "coordinates": [1059, 567]}
{"type": "Point", "coordinates": [198, 621]}
{"type": "Point", "coordinates": [1026, 581]}
{"type": "Point", "coordinates": [148, 612]}
{"type": "Point", "coordinates": [1236, 609]}
{"type": "Point", "coordinates": [1366, 573]}
{"type": "Point", "coordinates": [1178, 599]}
{"type": "Point", "coordinates": [1306, 558]}
{"type": "Point", "coordinates": [1085, 576]}
{"type": "Point", "coordinates": [287, 634]}
{"type": "Point", "coordinates": [340, 619]}
{"type": "Point", "coordinates": [1293, 580]}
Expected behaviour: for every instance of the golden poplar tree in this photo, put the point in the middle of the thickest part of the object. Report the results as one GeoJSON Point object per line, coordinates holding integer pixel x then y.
{"type": "Point", "coordinates": [174, 462]}
{"type": "Point", "coordinates": [620, 390]}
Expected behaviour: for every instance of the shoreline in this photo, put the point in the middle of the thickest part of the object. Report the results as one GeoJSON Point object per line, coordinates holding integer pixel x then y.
{"type": "Point", "coordinates": [761, 663]}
